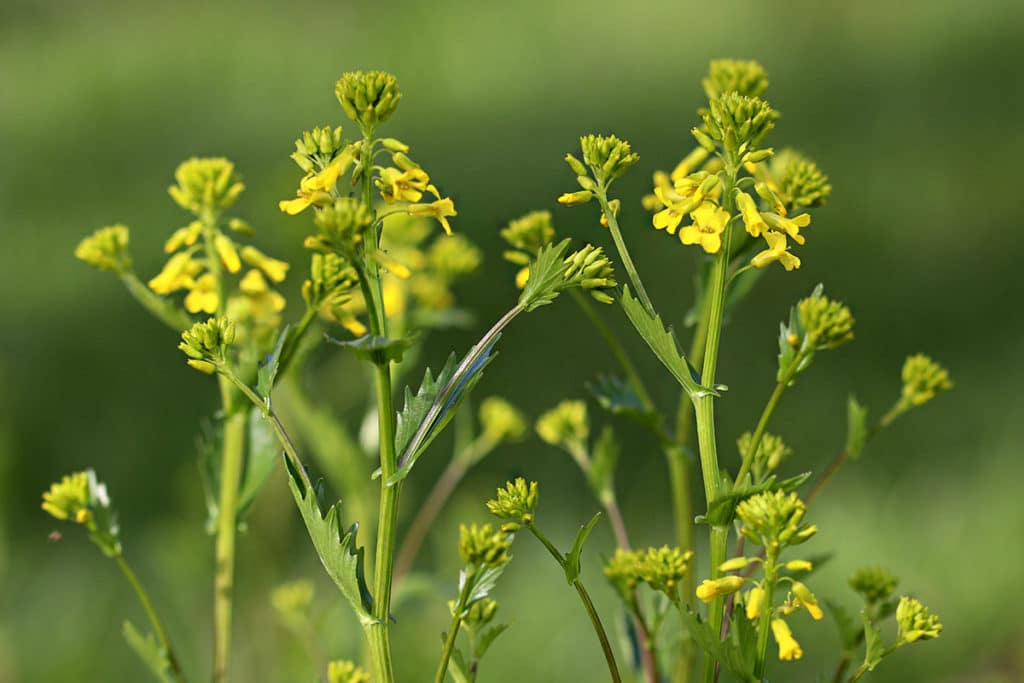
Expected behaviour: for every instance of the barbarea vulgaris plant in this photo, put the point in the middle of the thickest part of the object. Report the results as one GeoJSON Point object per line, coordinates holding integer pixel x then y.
{"type": "Point", "coordinates": [385, 261]}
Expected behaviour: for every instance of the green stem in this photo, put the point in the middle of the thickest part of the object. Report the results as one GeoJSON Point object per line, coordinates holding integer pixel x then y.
{"type": "Point", "coordinates": [704, 408]}
{"type": "Point", "coordinates": [387, 529]}
{"type": "Point", "coordinates": [453, 631]}
{"type": "Point", "coordinates": [154, 619]}
{"type": "Point", "coordinates": [164, 310]}
{"type": "Point", "coordinates": [864, 668]}
{"type": "Point", "coordinates": [627, 260]}
{"type": "Point", "coordinates": [588, 604]}
{"type": "Point", "coordinates": [427, 515]}
{"type": "Point", "coordinates": [233, 458]}
{"type": "Point", "coordinates": [762, 422]}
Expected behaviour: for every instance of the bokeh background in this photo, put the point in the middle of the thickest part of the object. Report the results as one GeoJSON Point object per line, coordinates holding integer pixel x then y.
{"type": "Point", "coordinates": [914, 109]}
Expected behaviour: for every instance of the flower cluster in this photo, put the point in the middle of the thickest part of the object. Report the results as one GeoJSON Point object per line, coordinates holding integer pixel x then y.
{"type": "Point", "coordinates": [81, 498]}
{"type": "Point", "coordinates": [770, 453]}
{"type": "Point", "coordinates": [591, 270]}
{"type": "Point", "coordinates": [206, 343]}
{"type": "Point", "coordinates": [346, 672]}
{"type": "Point", "coordinates": [915, 622]}
{"type": "Point", "coordinates": [923, 380]}
{"type": "Point", "coordinates": [565, 426]}
{"type": "Point", "coordinates": [526, 235]}
{"type": "Point", "coordinates": [826, 323]}
{"type": "Point", "coordinates": [516, 502]}
{"type": "Point", "coordinates": [660, 568]}
{"type": "Point", "coordinates": [106, 249]}
{"type": "Point", "coordinates": [500, 420]}
{"type": "Point", "coordinates": [745, 77]}
{"type": "Point", "coordinates": [482, 546]}
{"type": "Point", "coordinates": [368, 98]}
{"type": "Point", "coordinates": [874, 584]}
{"type": "Point", "coordinates": [605, 158]}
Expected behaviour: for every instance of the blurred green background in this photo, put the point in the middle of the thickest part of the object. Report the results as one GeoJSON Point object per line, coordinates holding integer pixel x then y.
{"type": "Point", "coordinates": [913, 108]}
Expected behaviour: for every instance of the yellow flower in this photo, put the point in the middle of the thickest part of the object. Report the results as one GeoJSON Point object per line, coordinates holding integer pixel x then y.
{"type": "Point", "coordinates": [271, 267]}
{"type": "Point", "coordinates": [439, 210]}
{"type": "Point", "coordinates": [678, 198]}
{"type": "Point", "coordinates": [227, 252]}
{"type": "Point", "coordinates": [709, 589]}
{"type": "Point", "coordinates": [315, 188]}
{"type": "Point", "coordinates": [69, 498]}
{"type": "Point", "coordinates": [754, 600]}
{"type": "Point", "coordinates": [204, 295]}
{"type": "Point", "coordinates": [264, 301]}
{"type": "Point", "coordinates": [407, 183]}
{"type": "Point", "coordinates": [177, 273]}
{"type": "Point", "coordinates": [183, 237]}
{"type": "Point", "coordinates": [690, 162]}
{"type": "Point", "coordinates": [776, 251]}
{"type": "Point", "coordinates": [522, 276]}
{"type": "Point", "coordinates": [709, 223]}
{"type": "Point", "coordinates": [751, 216]}
{"type": "Point", "coordinates": [790, 226]}
{"type": "Point", "coordinates": [806, 599]}
{"type": "Point", "coordinates": [789, 649]}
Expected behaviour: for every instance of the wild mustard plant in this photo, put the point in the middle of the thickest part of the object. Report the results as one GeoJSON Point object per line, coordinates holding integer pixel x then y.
{"type": "Point", "coordinates": [380, 277]}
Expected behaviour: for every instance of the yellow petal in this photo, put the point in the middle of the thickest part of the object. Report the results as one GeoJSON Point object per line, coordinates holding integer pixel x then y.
{"type": "Point", "coordinates": [293, 206]}
{"type": "Point", "coordinates": [227, 252]}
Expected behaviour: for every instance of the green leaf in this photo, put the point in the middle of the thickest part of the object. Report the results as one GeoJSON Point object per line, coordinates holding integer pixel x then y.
{"type": "Point", "coordinates": [336, 547]}
{"type": "Point", "coordinates": [482, 583]}
{"type": "Point", "coordinates": [618, 398]}
{"type": "Point", "coordinates": [736, 660]}
{"type": "Point", "coordinates": [662, 343]}
{"type": "Point", "coordinates": [426, 413]}
{"type": "Point", "coordinates": [458, 669]}
{"type": "Point", "coordinates": [547, 275]}
{"type": "Point", "coordinates": [376, 349]}
{"type": "Point", "coordinates": [723, 509]}
{"type": "Point", "coordinates": [260, 459]}
{"type": "Point", "coordinates": [856, 427]}
{"type": "Point", "coordinates": [149, 651]}
{"type": "Point", "coordinates": [850, 634]}
{"type": "Point", "coordinates": [487, 639]}
{"type": "Point", "coordinates": [267, 373]}
{"type": "Point", "coordinates": [601, 474]}
{"type": "Point", "coordinates": [874, 648]}
{"type": "Point", "coordinates": [572, 560]}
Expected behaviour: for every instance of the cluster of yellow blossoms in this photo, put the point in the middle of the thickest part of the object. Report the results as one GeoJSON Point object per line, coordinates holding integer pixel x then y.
{"type": "Point", "coordinates": [732, 129]}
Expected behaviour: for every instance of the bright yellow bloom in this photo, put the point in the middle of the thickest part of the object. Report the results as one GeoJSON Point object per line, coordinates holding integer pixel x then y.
{"type": "Point", "coordinates": [777, 251]}
{"type": "Point", "coordinates": [271, 267]}
{"type": "Point", "coordinates": [789, 649]}
{"type": "Point", "coordinates": [227, 252]}
{"type": "Point", "coordinates": [752, 218]}
{"type": "Point", "coordinates": [315, 188]}
{"type": "Point", "coordinates": [790, 226]}
{"type": "Point", "coordinates": [678, 198]}
{"type": "Point", "coordinates": [806, 599]}
{"type": "Point", "coordinates": [69, 497]}
{"type": "Point", "coordinates": [709, 589]}
{"type": "Point", "coordinates": [178, 273]}
{"type": "Point", "coordinates": [406, 185]}
{"type": "Point", "coordinates": [264, 301]}
{"type": "Point", "coordinates": [183, 237]}
{"type": "Point", "coordinates": [522, 276]}
{"type": "Point", "coordinates": [204, 295]}
{"type": "Point", "coordinates": [439, 210]}
{"type": "Point", "coordinates": [755, 598]}
{"type": "Point", "coordinates": [709, 223]}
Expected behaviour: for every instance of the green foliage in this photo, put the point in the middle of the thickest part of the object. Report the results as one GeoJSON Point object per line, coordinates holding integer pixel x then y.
{"type": "Point", "coordinates": [663, 344]}
{"type": "Point", "coordinates": [375, 349]}
{"type": "Point", "coordinates": [150, 653]}
{"type": "Point", "coordinates": [856, 427]}
{"type": "Point", "coordinates": [335, 546]}
{"type": "Point", "coordinates": [572, 559]}
{"type": "Point", "coordinates": [547, 276]}
{"type": "Point", "coordinates": [735, 653]}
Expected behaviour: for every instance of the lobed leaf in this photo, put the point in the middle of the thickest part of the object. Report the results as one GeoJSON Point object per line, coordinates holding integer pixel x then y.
{"type": "Point", "coordinates": [149, 651]}
{"type": "Point", "coordinates": [663, 343]}
{"type": "Point", "coordinates": [336, 547]}
{"type": "Point", "coordinates": [374, 348]}
{"type": "Point", "coordinates": [547, 275]}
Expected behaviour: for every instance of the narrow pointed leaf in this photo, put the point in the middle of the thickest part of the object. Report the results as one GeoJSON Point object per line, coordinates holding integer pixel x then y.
{"type": "Point", "coordinates": [572, 560]}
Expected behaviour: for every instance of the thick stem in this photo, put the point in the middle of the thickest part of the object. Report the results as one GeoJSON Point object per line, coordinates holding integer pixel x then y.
{"type": "Point", "coordinates": [387, 529]}
{"type": "Point", "coordinates": [154, 619]}
{"type": "Point", "coordinates": [232, 461]}
{"type": "Point", "coordinates": [705, 411]}
{"type": "Point", "coordinates": [164, 310]}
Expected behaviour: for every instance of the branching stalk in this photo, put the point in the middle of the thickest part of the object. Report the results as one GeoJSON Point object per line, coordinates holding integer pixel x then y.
{"type": "Point", "coordinates": [154, 619]}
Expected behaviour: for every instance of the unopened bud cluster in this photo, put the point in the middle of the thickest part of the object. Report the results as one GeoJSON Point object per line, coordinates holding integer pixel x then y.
{"type": "Point", "coordinates": [591, 270]}
{"type": "Point", "coordinates": [565, 425]}
{"type": "Point", "coordinates": [736, 122]}
{"type": "Point", "coordinates": [317, 148]}
{"type": "Point", "coordinates": [661, 568]}
{"type": "Point", "coordinates": [368, 97]}
{"type": "Point", "coordinates": [341, 225]}
{"type": "Point", "coordinates": [205, 343]}
{"type": "Point", "coordinates": [346, 672]}
{"type": "Point", "coordinates": [770, 452]}
{"type": "Point", "coordinates": [206, 185]}
{"type": "Point", "coordinates": [774, 520]}
{"type": "Point", "coordinates": [874, 584]}
{"type": "Point", "coordinates": [483, 547]}
{"type": "Point", "coordinates": [923, 380]}
{"type": "Point", "coordinates": [517, 502]}
{"type": "Point", "coordinates": [915, 622]}
{"type": "Point", "coordinates": [827, 323]}
{"type": "Point", "coordinates": [500, 420]}
{"type": "Point", "coordinates": [745, 77]}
